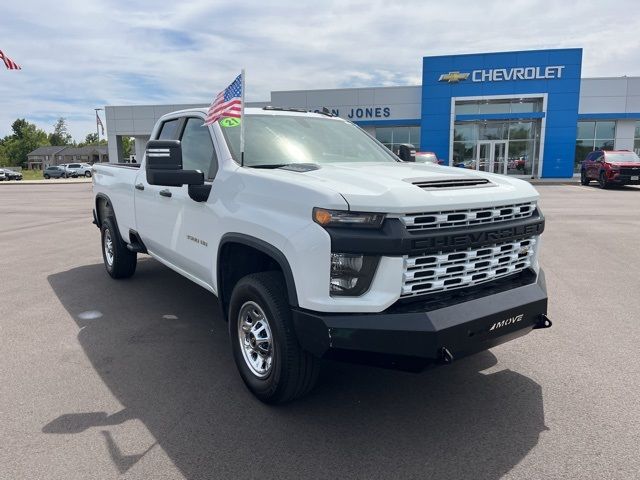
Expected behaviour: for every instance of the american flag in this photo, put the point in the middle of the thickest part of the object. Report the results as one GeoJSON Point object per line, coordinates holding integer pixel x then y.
{"type": "Point", "coordinates": [228, 103]}
{"type": "Point", "coordinates": [99, 123]}
{"type": "Point", "coordinates": [10, 64]}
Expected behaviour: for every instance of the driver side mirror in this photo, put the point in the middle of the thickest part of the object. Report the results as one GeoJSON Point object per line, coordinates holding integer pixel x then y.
{"type": "Point", "coordinates": [164, 165]}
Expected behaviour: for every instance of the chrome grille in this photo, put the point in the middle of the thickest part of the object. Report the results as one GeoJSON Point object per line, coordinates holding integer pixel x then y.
{"type": "Point", "coordinates": [417, 222]}
{"type": "Point", "coordinates": [464, 268]}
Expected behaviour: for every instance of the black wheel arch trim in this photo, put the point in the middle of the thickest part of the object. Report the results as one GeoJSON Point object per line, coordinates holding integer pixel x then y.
{"type": "Point", "coordinates": [98, 219]}
{"type": "Point", "coordinates": [265, 248]}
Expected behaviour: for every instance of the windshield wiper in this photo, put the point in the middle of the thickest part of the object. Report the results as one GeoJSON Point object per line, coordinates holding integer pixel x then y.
{"type": "Point", "coordinates": [294, 167]}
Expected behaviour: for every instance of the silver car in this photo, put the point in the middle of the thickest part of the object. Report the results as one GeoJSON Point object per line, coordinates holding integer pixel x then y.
{"type": "Point", "coordinates": [80, 169]}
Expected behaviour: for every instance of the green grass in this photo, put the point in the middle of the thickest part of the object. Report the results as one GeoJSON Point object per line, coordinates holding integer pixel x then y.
{"type": "Point", "coordinates": [32, 174]}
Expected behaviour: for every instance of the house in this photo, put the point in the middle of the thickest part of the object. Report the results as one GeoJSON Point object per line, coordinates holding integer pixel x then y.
{"type": "Point", "coordinates": [42, 157]}
{"type": "Point", "coordinates": [89, 154]}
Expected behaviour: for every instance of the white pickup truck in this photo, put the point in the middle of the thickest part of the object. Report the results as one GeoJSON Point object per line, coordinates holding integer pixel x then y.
{"type": "Point", "coordinates": [320, 243]}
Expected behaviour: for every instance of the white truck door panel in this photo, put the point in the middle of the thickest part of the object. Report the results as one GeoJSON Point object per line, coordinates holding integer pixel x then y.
{"type": "Point", "coordinates": [158, 212]}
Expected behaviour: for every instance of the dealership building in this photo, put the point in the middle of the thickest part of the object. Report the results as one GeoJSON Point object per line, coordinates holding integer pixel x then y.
{"type": "Point", "coordinates": [526, 113]}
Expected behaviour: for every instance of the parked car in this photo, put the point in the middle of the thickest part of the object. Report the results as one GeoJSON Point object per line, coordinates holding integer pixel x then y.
{"type": "Point", "coordinates": [611, 167]}
{"type": "Point", "coordinates": [11, 174]}
{"type": "Point", "coordinates": [428, 157]}
{"type": "Point", "coordinates": [57, 171]}
{"type": "Point", "coordinates": [396, 263]}
{"type": "Point", "coordinates": [80, 169]}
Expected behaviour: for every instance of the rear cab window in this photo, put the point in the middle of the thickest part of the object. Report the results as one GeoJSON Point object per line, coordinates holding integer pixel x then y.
{"type": "Point", "coordinates": [169, 130]}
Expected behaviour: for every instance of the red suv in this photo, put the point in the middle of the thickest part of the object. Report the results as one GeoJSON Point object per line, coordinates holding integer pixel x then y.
{"type": "Point", "coordinates": [616, 167]}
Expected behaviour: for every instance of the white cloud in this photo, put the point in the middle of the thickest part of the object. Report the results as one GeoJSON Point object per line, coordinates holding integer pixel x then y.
{"type": "Point", "coordinates": [77, 55]}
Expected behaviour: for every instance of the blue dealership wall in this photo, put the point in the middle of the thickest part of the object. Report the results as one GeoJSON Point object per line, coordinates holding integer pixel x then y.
{"type": "Point", "coordinates": [562, 98]}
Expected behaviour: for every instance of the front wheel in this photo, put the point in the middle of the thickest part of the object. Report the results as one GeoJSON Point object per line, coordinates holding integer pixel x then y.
{"type": "Point", "coordinates": [87, 174]}
{"type": "Point", "coordinates": [584, 180]}
{"type": "Point", "coordinates": [46, 177]}
{"type": "Point", "coordinates": [265, 348]}
{"type": "Point", "coordinates": [119, 261]}
{"type": "Point", "coordinates": [602, 181]}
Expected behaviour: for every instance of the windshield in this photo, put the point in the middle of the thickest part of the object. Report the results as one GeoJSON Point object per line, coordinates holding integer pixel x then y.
{"type": "Point", "coordinates": [277, 140]}
{"type": "Point", "coordinates": [622, 157]}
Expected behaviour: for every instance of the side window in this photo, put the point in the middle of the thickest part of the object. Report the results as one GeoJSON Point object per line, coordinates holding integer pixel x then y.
{"type": "Point", "coordinates": [197, 148]}
{"type": "Point", "coordinates": [169, 129]}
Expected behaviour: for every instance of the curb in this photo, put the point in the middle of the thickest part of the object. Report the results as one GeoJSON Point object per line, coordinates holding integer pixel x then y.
{"type": "Point", "coordinates": [52, 181]}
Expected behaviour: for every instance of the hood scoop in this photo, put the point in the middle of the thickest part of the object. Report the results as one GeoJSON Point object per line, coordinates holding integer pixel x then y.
{"type": "Point", "coordinates": [300, 167]}
{"type": "Point", "coordinates": [452, 183]}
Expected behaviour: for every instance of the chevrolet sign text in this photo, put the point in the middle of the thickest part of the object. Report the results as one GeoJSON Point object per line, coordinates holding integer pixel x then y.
{"type": "Point", "coordinates": [506, 74]}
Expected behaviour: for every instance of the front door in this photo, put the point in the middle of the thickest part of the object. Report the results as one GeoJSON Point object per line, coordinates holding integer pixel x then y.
{"type": "Point", "coordinates": [492, 156]}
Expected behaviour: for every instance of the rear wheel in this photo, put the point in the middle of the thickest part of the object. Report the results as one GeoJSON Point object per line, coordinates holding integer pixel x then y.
{"type": "Point", "coordinates": [119, 261]}
{"type": "Point", "coordinates": [46, 177]}
{"type": "Point", "coordinates": [602, 181]}
{"type": "Point", "coordinates": [584, 180]}
{"type": "Point", "coordinates": [265, 348]}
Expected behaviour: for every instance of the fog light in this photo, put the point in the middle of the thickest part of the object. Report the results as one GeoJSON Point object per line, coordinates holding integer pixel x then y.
{"type": "Point", "coordinates": [351, 274]}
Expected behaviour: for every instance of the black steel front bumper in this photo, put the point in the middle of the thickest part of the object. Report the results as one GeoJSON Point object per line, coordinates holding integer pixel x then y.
{"type": "Point", "coordinates": [438, 330]}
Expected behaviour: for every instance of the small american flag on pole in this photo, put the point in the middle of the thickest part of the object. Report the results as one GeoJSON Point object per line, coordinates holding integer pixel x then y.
{"type": "Point", "coordinates": [10, 64]}
{"type": "Point", "coordinates": [228, 103]}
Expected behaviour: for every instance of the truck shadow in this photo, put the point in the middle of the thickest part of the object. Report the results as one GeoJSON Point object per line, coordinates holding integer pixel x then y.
{"type": "Point", "coordinates": [158, 343]}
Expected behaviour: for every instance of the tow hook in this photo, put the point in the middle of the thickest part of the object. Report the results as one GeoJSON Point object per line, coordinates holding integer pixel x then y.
{"type": "Point", "coordinates": [446, 356]}
{"type": "Point", "coordinates": [543, 322]}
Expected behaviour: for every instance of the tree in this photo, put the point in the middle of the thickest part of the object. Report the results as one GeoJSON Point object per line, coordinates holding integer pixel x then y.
{"type": "Point", "coordinates": [128, 145]}
{"type": "Point", "coordinates": [26, 138]}
{"type": "Point", "coordinates": [60, 135]}
{"type": "Point", "coordinates": [92, 139]}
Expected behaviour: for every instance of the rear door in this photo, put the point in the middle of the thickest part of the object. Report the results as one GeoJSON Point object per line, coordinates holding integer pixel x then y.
{"type": "Point", "coordinates": [156, 207]}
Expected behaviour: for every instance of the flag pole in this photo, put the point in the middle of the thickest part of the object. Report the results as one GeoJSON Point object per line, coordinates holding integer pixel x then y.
{"type": "Point", "coordinates": [242, 123]}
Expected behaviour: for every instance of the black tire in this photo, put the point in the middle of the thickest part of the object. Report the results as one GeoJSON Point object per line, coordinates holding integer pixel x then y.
{"type": "Point", "coordinates": [87, 174]}
{"type": "Point", "coordinates": [584, 180]}
{"type": "Point", "coordinates": [602, 181]}
{"type": "Point", "coordinates": [46, 177]}
{"type": "Point", "coordinates": [121, 262]}
{"type": "Point", "coordinates": [293, 372]}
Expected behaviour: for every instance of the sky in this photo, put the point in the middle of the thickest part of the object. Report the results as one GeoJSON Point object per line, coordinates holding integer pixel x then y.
{"type": "Point", "coordinates": [77, 55]}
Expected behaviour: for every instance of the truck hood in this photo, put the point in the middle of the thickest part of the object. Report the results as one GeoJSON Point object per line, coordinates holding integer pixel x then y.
{"type": "Point", "coordinates": [389, 187]}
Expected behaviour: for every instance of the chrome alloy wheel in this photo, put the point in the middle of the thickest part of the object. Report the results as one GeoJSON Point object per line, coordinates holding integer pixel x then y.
{"type": "Point", "coordinates": [256, 341]}
{"type": "Point", "coordinates": [108, 247]}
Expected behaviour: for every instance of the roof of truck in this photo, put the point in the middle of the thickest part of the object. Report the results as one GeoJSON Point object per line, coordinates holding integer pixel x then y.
{"type": "Point", "coordinates": [264, 111]}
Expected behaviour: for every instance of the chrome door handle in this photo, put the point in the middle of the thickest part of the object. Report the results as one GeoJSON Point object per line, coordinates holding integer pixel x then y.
{"type": "Point", "coordinates": [139, 186]}
{"type": "Point", "coordinates": [165, 193]}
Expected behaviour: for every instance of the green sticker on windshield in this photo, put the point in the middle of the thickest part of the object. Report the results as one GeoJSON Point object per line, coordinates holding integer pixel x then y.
{"type": "Point", "coordinates": [229, 122]}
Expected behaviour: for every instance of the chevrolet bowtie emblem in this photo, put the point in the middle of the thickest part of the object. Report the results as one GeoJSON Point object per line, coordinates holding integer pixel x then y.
{"type": "Point", "coordinates": [453, 77]}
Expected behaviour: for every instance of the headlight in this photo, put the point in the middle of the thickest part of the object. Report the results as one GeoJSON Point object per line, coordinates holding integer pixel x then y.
{"type": "Point", "coordinates": [351, 274]}
{"type": "Point", "coordinates": [614, 168]}
{"type": "Point", "coordinates": [342, 218]}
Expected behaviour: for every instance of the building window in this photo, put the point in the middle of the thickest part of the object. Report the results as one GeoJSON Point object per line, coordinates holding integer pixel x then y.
{"type": "Point", "coordinates": [636, 139]}
{"type": "Point", "coordinates": [506, 106]}
{"type": "Point", "coordinates": [521, 138]}
{"type": "Point", "coordinates": [592, 136]}
{"type": "Point", "coordinates": [393, 137]}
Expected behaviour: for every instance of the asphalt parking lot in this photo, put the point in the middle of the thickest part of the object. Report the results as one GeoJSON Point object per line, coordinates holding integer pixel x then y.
{"type": "Point", "coordinates": [134, 379]}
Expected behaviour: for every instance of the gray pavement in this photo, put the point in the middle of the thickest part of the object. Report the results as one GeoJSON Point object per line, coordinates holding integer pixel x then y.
{"type": "Point", "coordinates": [134, 379]}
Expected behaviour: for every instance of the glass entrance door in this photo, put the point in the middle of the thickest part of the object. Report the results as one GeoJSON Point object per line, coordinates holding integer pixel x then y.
{"type": "Point", "coordinates": [492, 156]}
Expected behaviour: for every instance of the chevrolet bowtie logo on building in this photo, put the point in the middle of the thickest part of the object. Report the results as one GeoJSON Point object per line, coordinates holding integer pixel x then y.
{"type": "Point", "coordinates": [453, 77]}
